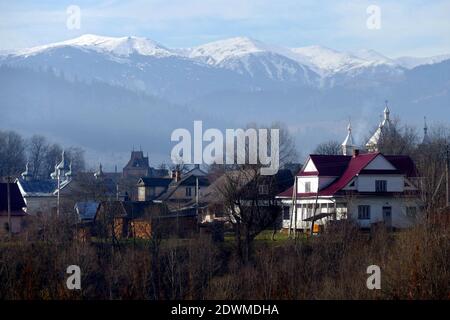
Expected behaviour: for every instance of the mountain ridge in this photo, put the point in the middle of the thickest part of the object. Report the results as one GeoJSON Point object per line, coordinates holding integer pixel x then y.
{"type": "Point", "coordinates": [215, 52]}
{"type": "Point", "coordinates": [313, 91]}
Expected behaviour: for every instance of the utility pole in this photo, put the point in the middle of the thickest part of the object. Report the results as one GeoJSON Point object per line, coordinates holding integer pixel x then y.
{"type": "Point", "coordinates": [295, 209]}
{"type": "Point", "coordinates": [8, 191]}
{"type": "Point", "coordinates": [314, 212]}
{"type": "Point", "coordinates": [294, 204]}
{"type": "Point", "coordinates": [59, 190]}
{"type": "Point", "coordinates": [196, 195]}
{"type": "Point", "coordinates": [447, 164]}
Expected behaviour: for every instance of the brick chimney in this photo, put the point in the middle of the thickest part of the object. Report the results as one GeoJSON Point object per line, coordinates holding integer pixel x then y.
{"type": "Point", "coordinates": [176, 175]}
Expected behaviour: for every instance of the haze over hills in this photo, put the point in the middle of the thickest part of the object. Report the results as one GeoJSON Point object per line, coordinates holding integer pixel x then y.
{"type": "Point", "coordinates": [227, 83]}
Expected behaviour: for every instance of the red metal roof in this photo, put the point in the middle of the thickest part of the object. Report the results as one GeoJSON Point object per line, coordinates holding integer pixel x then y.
{"type": "Point", "coordinates": [286, 193]}
{"type": "Point", "coordinates": [346, 168]}
{"type": "Point", "coordinates": [404, 164]}
{"type": "Point", "coordinates": [354, 167]}
{"type": "Point", "coordinates": [330, 165]}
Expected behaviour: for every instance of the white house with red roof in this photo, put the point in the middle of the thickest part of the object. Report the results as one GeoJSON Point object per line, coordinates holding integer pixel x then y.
{"type": "Point", "coordinates": [368, 187]}
{"type": "Point", "coordinates": [365, 187]}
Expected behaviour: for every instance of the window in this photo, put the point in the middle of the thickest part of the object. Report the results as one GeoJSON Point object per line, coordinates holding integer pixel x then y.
{"type": "Point", "coordinates": [411, 212]}
{"type": "Point", "coordinates": [364, 212]}
{"type": "Point", "coordinates": [307, 187]}
{"type": "Point", "coordinates": [380, 185]}
{"type": "Point", "coordinates": [188, 192]}
{"type": "Point", "coordinates": [263, 189]}
{"type": "Point", "coordinates": [141, 191]}
{"type": "Point", "coordinates": [286, 213]}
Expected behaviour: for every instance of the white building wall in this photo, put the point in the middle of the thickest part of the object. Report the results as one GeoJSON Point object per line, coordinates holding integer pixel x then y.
{"type": "Point", "coordinates": [302, 212]}
{"type": "Point", "coordinates": [366, 183]}
{"type": "Point", "coordinates": [398, 211]}
{"type": "Point", "coordinates": [380, 163]}
{"type": "Point", "coordinates": [43, 205]}
{"type": "Point", "coordinates": [310, 167]}
{"type": "Point", "coordinates": [398, 205]}
{"type": "Point", "coordinates": [301, 181]}
{"type": "Point", "coordinates": [316, 182]}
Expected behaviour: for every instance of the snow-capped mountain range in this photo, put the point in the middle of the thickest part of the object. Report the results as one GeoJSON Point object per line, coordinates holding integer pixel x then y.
{"type": "Point", "coordinates": [247, 57]}
{"type": "Point", "coordinates": [105, 82]}
{"type": "Point", "coordinates": [123, 46]}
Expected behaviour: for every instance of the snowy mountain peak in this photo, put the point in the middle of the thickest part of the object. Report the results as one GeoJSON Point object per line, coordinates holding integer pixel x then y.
{"type": "Point", "coordinates": [218, 51]}
{"type": "Point", "coordinates": [123, 46]}
{"type": "Point", "coordinates": [372, 56]}
{"type": "Point", "coordinates": [325, 59]}
{"type": "Point", "coordinates": [241, 54]}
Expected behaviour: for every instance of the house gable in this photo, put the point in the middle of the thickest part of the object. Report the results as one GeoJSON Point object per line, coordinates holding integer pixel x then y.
{"type": "Point", "coordinates": [379, 163]}
{"type": "Point", "coordinates": [309, 166]}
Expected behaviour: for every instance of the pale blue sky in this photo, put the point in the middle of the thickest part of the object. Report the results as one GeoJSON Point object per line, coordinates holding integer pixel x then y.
{"type": "Point", "coordinates": [419, 28]}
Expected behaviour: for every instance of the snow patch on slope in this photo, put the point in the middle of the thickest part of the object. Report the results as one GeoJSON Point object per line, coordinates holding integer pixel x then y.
{"type": "Point", "coordinates": [123, 46]}
{"type": "Point", "coordinates": [326, 60]}
{"type": "Point", "coordinates": [216, 52]}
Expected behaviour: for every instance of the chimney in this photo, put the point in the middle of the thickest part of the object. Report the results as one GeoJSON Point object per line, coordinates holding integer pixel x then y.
{"type": "Point", "coordinates": [355, 153]}
{"type": "Point", "coordinates": [176, 175]}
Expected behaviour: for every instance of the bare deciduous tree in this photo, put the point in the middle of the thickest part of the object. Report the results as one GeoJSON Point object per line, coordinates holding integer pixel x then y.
{"type": "Point", "coordinates": [37, 149]}
{"type": "Point", "coordinates": [331, 147]}
{"type": "Point", "coordinates": [12, 153]}
{"type": "Point", "coordinates": [398, 139]}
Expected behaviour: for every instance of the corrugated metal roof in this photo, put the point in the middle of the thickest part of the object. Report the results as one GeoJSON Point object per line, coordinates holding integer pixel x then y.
{"type": "Point", "coordinates": [86, 210]}
{"type": "Point", "coordinates": [39, 186]}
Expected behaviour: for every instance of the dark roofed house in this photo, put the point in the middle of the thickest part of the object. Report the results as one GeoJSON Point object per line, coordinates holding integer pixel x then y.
{"type": "Point", "coordinates": [268, 188]}
{"type": "Point", "coordinates": [17, 205]}
{"type": "Point", "coordinates": [38, 195]}
{"type": "Point", "coordinates": [137, 166]}
{"type": "Point", "coordinates": [150, 188]}
{"type": "Point", "coordinates": [183, 188]}
{"type": "Point", "coordinates": [86, 210]}
{"type": "Point", "coordinates": [141, 219]}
